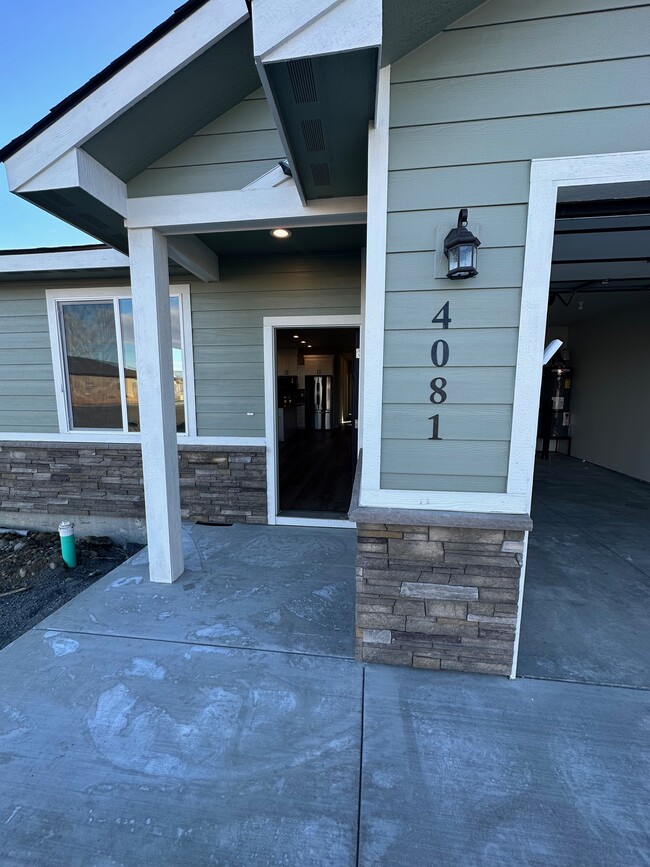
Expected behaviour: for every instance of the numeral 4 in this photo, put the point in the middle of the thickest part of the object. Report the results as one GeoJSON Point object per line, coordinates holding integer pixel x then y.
{"type": "Point", "coordinates": [442, 316]}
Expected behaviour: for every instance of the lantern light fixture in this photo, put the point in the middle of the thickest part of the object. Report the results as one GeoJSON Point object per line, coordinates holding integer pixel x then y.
{"type": "Point", "coordinates": [281, 233]}
{"type": "Point", "coordinates": [461, 250]}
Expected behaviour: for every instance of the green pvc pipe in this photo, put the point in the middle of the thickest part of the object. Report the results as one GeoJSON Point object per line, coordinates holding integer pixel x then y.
{"type": "Point", "coordinates": [68, 552]}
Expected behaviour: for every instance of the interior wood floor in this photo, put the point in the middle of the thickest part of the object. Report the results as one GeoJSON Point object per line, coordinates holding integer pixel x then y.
{"type": "Point", "coordinates": [316, 472]}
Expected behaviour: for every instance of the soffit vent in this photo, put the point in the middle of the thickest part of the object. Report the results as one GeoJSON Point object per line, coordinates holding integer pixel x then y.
{"type": "Point", "coordinates": [301, 76]}
{"type": "Point", "coordinates": [320, 172]}
{"type": "Point", "coordinates": [312, 133]}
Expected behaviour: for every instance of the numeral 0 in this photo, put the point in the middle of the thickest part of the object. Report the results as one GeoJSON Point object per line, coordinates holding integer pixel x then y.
{"type": "Point", "coordinates": [440, 353]}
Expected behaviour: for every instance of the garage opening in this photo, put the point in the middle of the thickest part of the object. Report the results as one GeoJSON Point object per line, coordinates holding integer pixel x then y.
{"type": "Point", "coordinates": [317, 423]}
{"type": "Point", "coordinates": [588, 570]}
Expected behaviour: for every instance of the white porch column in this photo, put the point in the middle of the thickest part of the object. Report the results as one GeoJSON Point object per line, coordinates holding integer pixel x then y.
{"type": "Point", "coordinates": [153, 345]}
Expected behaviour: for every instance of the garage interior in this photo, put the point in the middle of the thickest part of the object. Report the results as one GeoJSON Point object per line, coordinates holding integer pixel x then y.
{"type": "Point", "coordinates": [317, 391]}
{"type": "Point", "coordinates": [588, 569]}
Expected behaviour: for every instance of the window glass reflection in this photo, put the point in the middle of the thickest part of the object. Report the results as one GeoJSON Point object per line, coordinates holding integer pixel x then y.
{"type": "Point", "coordinates": [92, 365]}
{"type": "Point", "coordinates": [130, 374]}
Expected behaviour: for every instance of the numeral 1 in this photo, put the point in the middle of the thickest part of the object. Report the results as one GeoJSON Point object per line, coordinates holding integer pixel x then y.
{"type": "Point", "coordinates": [436, 424]}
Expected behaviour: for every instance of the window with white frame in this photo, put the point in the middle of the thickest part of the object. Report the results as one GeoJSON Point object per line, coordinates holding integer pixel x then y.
{"type": "Point", "coordinates": [93, 347]}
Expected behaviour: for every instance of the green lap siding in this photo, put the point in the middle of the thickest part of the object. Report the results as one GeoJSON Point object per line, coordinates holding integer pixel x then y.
{"type": "Point", "coordinates": [27, 401]}
{"type": "Point", "coordinates": [513, 81]}
{"type": "Point", "coordinates": [228, 154]}
{"type": "Point", "coordinates": [227, 328]}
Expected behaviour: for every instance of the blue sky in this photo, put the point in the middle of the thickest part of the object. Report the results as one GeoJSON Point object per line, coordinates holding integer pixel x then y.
{"type": "Point", "coordinates": [47, 50]}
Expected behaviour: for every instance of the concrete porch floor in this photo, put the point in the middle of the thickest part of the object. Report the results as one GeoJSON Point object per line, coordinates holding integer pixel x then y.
{"type": "Point", "coordinates": [587, 592]}
{"type": "Point", "coordinates": [221, 720]}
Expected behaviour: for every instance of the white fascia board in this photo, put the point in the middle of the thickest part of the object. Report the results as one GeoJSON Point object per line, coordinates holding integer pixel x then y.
{"type": "Point", "coordinates": [241, 209]}
{"type": "Point", "coordinates": [190, 252]}
{"type": "Point", "coordinates": [74, 169]}
{"type": "Point", "coordinates": [62, 260]}
{"type": "Point", "coordinates": [314, 27]}
{"type": "Point", "coordinates": [160, 61]}
{"type": "Point", "coordinates": [350, 25]}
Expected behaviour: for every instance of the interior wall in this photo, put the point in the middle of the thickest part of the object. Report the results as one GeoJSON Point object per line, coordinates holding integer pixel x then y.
{"type": "Point", "coordinates": [610, 409]}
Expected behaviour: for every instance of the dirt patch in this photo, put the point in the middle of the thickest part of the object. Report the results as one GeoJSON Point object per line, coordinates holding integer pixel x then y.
{"type": "Point", "coordinates": [34, 580]}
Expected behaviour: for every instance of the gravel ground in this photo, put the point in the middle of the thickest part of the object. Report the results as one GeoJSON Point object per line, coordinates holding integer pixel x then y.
{"type": "Point", "coordinates": [34, 580]}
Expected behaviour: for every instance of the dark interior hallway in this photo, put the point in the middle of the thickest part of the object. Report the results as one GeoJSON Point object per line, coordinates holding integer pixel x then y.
{"type": "Point", "coordinates": [317, 472]}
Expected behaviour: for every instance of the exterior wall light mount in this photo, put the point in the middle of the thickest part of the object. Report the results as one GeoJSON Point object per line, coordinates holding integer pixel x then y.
{"type": "Point", "coordinates": [461, 250]}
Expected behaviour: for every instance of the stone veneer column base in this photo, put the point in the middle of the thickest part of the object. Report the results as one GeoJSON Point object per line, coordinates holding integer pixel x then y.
{"type": "Point", "coordinates": [438, 597]}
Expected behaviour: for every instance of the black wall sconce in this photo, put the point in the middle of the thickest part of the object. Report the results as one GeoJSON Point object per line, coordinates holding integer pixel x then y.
{"type": "Point", "coordinates": [461, 250]}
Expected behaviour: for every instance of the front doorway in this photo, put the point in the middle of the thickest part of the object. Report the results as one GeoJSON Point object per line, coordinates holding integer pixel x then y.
{"type": "Point", "coordinates": [313, 389]}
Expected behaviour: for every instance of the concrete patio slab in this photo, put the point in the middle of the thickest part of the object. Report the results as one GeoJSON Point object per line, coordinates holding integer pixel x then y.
{"type": "Point", "coordinates": [164, 748]}
{"type": "Point", "coordinates": [470, 770]}
{"type": "Point", "coordinates": [271, 588]}
{"type": "Point", "coordinates": [129, 752]}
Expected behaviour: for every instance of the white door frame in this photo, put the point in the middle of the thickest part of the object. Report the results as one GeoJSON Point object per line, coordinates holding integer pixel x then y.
{"type": "Point", "coordinates": [271, 324]}
{"type": "Point", "coordinates": [550, 178]}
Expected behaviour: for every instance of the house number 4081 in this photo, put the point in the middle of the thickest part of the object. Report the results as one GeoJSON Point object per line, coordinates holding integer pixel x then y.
{"type": "Point", "coordinates": [439, 358]}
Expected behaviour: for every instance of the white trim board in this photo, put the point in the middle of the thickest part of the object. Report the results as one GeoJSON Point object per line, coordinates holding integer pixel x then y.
{"type": "Point", "coordinates": [372, 351]}
{"type": "Point", "coordinates": [62, 260]}
{"type": "Point", "coordinates": [76, 168]}
{"type": "Point", "coordinates": [112, 438]}
{"type": "Point", "coordinates": [330, 523]}
{"type": "Point", "coordinates": [547, 177]}
{"type": "Point", "coordinates": [309, 28]}
{"type": "Point", "coordinates": [241, 209]}
{"type": "Point", "coordinates": [270, 325]}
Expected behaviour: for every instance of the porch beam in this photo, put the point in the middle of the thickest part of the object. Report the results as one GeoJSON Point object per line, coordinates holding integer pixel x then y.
{"type": "Point", "coordinates": [195, 256]}
{"type": "Point", "coordinates": [241, 209]}
{"type": "Point", "coordinates": [74, 169]}
{"type": "Point", "coordinates": [153, 343]}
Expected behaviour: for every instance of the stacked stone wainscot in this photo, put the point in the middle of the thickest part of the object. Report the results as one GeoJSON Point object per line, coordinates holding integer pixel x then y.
{"type": "Point", "coordinates": [224, 484]}
{"type": "Point", "coordinates": [438, 597]}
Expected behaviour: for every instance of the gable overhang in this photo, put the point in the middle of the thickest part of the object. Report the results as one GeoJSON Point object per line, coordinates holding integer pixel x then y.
{"type": "Point", "coordinates": [318, 62]}
{"type": "Point", "coordinates": [319, 70]}
{"type": "Point", "coordinates": [75, 164]}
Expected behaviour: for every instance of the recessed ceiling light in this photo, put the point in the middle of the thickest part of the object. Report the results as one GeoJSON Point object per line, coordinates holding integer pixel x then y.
{"type": "Point", "coordinates": [309, 346]}
{"type": "Point", "coordinates": [281, 233]}
{"type": "Point", "coordinates": [296, 336]}
{"type": "Point", "coordinates": [303, 341]}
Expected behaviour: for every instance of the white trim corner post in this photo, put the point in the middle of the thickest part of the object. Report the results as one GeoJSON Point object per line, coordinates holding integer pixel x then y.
{"type": "Point", "coordinates": [153, 345]}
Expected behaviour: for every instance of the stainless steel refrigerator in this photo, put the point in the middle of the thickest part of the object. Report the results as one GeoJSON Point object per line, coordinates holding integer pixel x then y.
{"type": "Point", "coordinates": [319, 397]}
